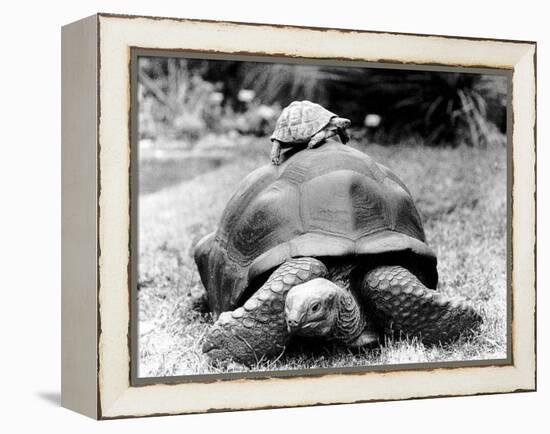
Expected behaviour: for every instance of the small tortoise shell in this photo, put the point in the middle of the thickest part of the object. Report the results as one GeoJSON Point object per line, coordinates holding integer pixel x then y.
{"type": "Point", "coordinates": [300, 121]}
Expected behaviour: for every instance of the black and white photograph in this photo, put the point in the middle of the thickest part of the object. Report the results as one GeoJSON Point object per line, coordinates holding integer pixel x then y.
{"type": "Point", "coordinates": [227, 217]}
{"type": "Point", "coordinates": [294, 216]}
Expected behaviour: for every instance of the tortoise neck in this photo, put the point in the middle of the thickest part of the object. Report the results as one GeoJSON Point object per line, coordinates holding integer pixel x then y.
{"type": "Point", "coordinates": [332, 135]}
{"type": "Point", "coordinates": [349, 319]}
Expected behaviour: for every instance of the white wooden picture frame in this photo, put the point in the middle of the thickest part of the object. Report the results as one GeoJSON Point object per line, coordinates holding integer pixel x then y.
{"type": "Point", "coordinates": [96, 159]}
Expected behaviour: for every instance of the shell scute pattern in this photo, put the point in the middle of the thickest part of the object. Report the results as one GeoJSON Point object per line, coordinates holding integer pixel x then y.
{"type": "Point", "coordinates": [300, 121]}
{"type": "Point", "coordinates": [260, 233]}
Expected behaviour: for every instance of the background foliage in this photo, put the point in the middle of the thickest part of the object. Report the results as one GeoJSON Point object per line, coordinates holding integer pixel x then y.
{"type": "Point", "coordinates": [186, 99]}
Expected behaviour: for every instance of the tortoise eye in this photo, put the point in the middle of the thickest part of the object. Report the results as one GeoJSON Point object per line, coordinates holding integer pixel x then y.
{"type": "Point", "coordinates": [315, 307]}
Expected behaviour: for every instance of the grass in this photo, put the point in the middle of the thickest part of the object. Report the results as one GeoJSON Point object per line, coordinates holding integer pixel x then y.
{"type": "Point", "coordinates": [460, 193]}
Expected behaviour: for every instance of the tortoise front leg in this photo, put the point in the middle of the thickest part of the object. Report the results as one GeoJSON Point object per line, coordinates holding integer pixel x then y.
{"type": "Point", "coordinates": [343, 135]}
{"type": "Point", "coordinates": [406, 306]}
{"type": "Point", "coordinates": [318, 138]}
{"type": "Point", "coordinates": [275, 154]}
{"type": "Point", "coordinates": [258, 329]}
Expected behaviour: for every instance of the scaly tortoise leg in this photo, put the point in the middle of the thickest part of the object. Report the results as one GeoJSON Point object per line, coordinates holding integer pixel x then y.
{"type": "Point", "coordinates": [275, 154]}
{"type": "Point", "coordinates": [258, 329]}
{"type": "Point", "coordinates": [317, 139]}
{"type": "Point", "coordinates": [407, 307]}
{"type": "Point", "coordinates": [343, 135]}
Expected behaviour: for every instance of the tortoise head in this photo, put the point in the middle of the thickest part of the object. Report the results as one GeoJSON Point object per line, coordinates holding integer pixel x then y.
{"type": "Point", "coordinates": [338, 126]}
{"type": "Point", "coordinates": [341, 123]}
{"type": "Point", "coordinates": [311, 309]}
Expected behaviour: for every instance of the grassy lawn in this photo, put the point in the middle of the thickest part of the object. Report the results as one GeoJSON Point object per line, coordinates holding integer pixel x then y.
{"type": "Point", "coordinates": [460, 193]}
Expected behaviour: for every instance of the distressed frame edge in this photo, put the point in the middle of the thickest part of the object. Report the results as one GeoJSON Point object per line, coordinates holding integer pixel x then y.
{"type": "Point", "coordinates": [318, 28]}
{"type": "Point", "coordinates": [79, 183]}
{"type": "Point", "coordinates": [529, 385]}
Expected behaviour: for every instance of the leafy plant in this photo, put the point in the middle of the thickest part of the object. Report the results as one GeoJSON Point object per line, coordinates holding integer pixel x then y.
{"type": "Point", "coordinates": [284, 83]}
{"type": "Point", "coordinates": [175, 97]}
{"type": "Point", "coordinates": [434, 107]}
{"type": "Point", "coordinates": [440, 107]}
{"type": "Point", "coordinates": [186, 98]}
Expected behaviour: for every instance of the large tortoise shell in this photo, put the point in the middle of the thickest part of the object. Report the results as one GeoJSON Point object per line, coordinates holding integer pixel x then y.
{"type": "Point", "coordinates": [300, 121]}
{"type": "Point", "coordinates": [332, 201]}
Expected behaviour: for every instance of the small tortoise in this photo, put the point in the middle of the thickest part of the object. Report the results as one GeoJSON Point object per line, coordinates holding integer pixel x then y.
{"type": "Point", "coordinates": [329, 244]}
{"type": "Point", "coordinates": [304, 123]}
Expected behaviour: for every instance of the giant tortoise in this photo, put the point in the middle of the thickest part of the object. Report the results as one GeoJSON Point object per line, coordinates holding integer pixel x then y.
{"type": "Point", "coordinates": [328, 244]}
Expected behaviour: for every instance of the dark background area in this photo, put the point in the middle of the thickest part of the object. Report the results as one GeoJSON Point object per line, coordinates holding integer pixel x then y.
{"type": "Point", "coordinates": [186, 99]}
